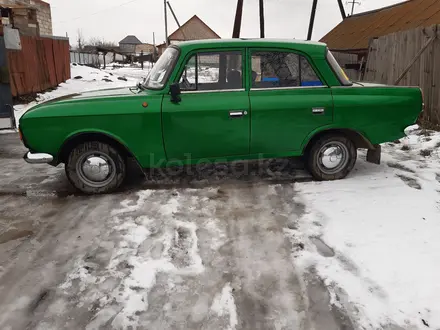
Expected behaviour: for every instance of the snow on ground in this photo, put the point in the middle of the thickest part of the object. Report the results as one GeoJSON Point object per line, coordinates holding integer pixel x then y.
{"type": "Point", "coordinates": [84, 79]}
{"type": "Point", "coordinates": [374, 237]}
{"type": "Point", "coordinates": [130, 70]}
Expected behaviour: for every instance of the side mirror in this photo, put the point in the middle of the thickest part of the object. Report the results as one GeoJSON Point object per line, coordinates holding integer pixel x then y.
{"type": "Point", "coordinates": [175, 93]}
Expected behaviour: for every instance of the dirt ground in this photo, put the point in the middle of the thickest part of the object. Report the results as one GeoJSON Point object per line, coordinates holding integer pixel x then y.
{"type": "Point", "coordinates": [207, 251]}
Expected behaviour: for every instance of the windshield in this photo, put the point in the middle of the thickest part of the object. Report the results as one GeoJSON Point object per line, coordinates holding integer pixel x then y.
{"type": "Point", "coordinates": [158, 76]}
{"type": "Point", "coordinates": [342, 76]}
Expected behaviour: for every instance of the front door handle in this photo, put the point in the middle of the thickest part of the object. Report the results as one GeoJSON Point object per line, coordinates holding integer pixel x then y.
{"type": "Point", "coordinates": [237, 113]}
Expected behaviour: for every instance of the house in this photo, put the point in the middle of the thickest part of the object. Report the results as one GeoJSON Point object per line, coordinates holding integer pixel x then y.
{"type": "Point", "coordinates": [128, 45]}
{"type": "Point", "coordinates": [353, 35]}
{"type": "Point", "coordinates": [31, 17]}
{"type": "Point", "coordinates": [193, 29]}
{"type": "Point", "coordinates": [144, 48]}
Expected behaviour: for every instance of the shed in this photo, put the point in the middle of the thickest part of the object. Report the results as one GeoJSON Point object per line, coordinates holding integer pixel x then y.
{"type": "Point", "coordinates": [353, 35]}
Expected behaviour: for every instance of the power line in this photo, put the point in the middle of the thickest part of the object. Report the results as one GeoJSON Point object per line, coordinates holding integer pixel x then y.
{"type": "Point", "coordinates": [98, 12]}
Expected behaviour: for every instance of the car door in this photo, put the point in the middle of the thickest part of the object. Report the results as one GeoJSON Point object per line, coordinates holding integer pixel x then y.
{"type": "Point", "coordinates": [288, 100]}
{"type": "Point", "coordinates": [212, 118]}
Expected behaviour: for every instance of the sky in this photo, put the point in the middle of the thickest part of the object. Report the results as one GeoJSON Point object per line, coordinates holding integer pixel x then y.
{"type": "Point", "coordinates": [112, 20]}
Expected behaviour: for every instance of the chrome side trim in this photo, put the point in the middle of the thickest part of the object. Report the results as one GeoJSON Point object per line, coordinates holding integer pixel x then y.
{"type": "Point", "coordinates": [286, 88]}
{"type": "Point", "coordinates": [214, 91]}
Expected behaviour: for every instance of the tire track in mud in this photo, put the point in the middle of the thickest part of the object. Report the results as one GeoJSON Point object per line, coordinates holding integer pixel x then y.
{"type": "Point", "coordinates": [270, 293]}
{"type": "Point", "coordinates": [266, 291]}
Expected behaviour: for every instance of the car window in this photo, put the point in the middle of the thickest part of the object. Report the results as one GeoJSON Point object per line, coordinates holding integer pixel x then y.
{"type": "Point", "coordinates": [211, 71]}
{"type": "Point", "coordinates": [340, 73]}
{"type": "Point", "coordinates": [282, 69]}
{"type": "Point", "coordinates": [162, 69]}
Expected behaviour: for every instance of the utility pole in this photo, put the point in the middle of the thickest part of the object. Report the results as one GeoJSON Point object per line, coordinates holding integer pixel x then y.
{"type": "Point", "coordinates": [353, 2]}
{"type": "Point", "coordinates": [237, 22]}
{"type": "Point", "coordinates": [313, 14]}
{"type": "Point", "coordinates": [174, 15]}
{"type": "Point", "coordinates": [342, 9]}
{"type": "Point", "coordinates": [154, 48]}
{"type": "Point", "coordinates": [262, 34]}
{"type": "Point", "coordinates": [166, 22]}
{"type": "Point", "coordinates": [175, 18]}
{"type": "Point", "coordinates": [312, 20]}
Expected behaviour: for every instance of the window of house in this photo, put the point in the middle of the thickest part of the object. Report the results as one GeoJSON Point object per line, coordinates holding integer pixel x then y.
{"type": "Point", "coordinates": [213, 71]}
{"type": "Point", "coordinates": [282, 69]}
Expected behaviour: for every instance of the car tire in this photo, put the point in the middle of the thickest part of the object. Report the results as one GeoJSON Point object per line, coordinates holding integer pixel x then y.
{"type": "Point", "coordinates": [95, 168]}
{"type": "Point", "coordinates": [331, 157]}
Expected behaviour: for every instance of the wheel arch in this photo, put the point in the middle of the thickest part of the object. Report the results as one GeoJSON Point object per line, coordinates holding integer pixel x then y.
{"type": "Point", "coordinates": [359, 140]}
{"type": "Point", "coordinates": [84, 136]}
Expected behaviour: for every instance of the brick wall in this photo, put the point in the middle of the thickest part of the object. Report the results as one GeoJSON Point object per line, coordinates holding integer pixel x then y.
{"type": "Point", "coordinates": [44, 16]}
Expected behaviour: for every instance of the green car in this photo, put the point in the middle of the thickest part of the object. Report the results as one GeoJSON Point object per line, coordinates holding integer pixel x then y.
{"type": "Point", "coordinates": [217, 101]}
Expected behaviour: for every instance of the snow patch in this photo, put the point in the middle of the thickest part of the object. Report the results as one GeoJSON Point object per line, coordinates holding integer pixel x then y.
{"type": "Point", "coordinates": [224, 304]}
{"type": "Point", "coordinates": [127, 208]}
{"type": "Point", "coordinates": [84, 79]}
{"type": "Point", "coordinates": [384, 233]}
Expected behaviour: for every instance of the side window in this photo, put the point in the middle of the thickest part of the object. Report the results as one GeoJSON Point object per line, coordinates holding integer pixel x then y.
{"type": "Point", "coordinates": [282, 69]}
{"type": "Point", "coordinates": [308, 74]}
{"type": "Point", "coordinates": [212, 71]}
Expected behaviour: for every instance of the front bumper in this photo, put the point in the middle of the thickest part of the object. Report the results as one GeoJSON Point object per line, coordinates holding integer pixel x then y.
{"type": "Point", "coordinates": [38, 158]}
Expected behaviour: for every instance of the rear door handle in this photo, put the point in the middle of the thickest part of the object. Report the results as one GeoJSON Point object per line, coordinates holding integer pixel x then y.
{"type": "Point", "coordinates": [318, 111]}
{"type": "Point", "coordinates": [237, 113]}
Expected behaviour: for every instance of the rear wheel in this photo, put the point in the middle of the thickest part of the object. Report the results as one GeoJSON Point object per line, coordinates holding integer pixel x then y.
{"type": "Point", "coordinates": [331, 157]}
{"type": "Point", "coordinates": [95, 168]}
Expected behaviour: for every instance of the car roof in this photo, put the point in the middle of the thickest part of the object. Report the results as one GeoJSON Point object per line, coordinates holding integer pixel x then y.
{"type": "Point", "coordinates": [310, 47]}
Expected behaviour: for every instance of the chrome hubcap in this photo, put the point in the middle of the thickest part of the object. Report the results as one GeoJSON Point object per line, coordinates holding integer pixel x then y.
{"type": "Point", "coordinates": [333, 157]}
{"type": "Point", "coordinates": [96, 169]}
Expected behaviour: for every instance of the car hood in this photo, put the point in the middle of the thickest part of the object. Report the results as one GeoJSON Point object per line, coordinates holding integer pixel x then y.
{"type": "Point", "coordinates": [102, 93]}
{"type": "Point", "coordinates": [84, 97]}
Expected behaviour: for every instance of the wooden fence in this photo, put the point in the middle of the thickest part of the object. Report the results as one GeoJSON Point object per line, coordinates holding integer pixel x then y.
{"type": "Point", "coordinates": [42, 63]}
{"type": "Point", "coordinates": [345, 60]}
{"type": "Point", "coordinates": [391, 55]}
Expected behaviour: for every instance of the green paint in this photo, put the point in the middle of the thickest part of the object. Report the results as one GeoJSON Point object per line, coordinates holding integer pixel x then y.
{"type": "Point", "coordinates": [278, 123]}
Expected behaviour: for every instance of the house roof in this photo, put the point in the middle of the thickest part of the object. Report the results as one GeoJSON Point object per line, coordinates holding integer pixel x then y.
{"type": "Point", "coordinates": [130, 40]}
{"type": "Point", "coordinates": [191, 30]}
{"type": "Point", "coordinates": [355, 32]}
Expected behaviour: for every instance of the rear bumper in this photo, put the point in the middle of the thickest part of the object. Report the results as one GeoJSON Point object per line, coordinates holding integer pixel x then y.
{"type": "Point", "coordinates": [38, 158]}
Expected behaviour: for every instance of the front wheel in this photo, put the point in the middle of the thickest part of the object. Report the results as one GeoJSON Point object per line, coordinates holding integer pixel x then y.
{"type": "Point", "coordinates": [95, 168]}
{"type": "Point", "coordinates": [331, 157]}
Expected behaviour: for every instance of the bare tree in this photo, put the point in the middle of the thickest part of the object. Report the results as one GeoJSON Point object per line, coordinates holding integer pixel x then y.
{"type": "Point", "coordinates": [80, 39]}
{"type": "Point", "coordinates": [101, 42]}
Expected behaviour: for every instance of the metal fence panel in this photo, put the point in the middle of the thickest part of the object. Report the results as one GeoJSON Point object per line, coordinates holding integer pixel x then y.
{"type": "Point", "coordinates": [42, 63]}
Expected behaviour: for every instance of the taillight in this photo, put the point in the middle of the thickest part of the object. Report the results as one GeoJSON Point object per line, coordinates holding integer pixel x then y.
{"type": "Point", "coordinates": [20, 134]}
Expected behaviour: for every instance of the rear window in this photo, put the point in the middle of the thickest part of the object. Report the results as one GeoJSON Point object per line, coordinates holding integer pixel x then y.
{"type": "Point", "coordinates": [342, 76]}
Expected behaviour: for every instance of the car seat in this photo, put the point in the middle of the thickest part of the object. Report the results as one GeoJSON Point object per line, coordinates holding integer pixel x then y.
{"type": "Point", "coordinates": [234, 79]}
